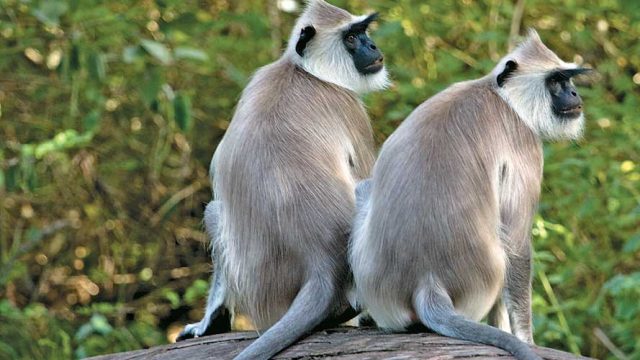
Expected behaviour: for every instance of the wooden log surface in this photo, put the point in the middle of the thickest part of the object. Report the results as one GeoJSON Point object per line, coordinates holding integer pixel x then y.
{"type": "Point", "coordinates": [339, 343]}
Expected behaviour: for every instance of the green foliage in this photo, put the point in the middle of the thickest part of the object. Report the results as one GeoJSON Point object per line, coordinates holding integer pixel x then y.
{"type": "Point", "coordinates": [110, 112]}
{"type": "Point", "coordinates": [31, 333]}
{"type": "Point", "coordinates": [182, 111]}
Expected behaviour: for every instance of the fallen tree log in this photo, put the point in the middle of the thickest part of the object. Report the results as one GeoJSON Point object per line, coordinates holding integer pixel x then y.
{"type": "Point", "coordinates": [340, 343]}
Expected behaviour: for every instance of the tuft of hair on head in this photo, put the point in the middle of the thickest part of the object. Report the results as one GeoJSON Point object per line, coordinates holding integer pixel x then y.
{"type": "Point", "coordinates": [324, 15]}
{"type": "Point", "coordinates": [520, 78]}
{"type": "Point", "coordinates": [532, 35]}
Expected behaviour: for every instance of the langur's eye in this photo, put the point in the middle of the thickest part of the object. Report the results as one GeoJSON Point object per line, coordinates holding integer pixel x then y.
{"type": "Point", "coordinates": [351, 38]}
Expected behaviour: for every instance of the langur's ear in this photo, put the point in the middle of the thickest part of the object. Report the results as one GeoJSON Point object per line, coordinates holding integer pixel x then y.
{"type": "Point", "coordinates": [306, 34]}
{"type": "Point", "coordinates": [509, 67]}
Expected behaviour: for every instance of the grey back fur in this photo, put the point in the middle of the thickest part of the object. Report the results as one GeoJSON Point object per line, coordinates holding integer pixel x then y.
{"type": "Point", "coordinates": [284, 176]}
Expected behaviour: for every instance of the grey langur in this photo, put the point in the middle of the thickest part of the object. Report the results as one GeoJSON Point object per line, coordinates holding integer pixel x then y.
{"type": "Point", "coordinates": [442, 234]}
{"type": "Point", "coordinates": [284, 178]}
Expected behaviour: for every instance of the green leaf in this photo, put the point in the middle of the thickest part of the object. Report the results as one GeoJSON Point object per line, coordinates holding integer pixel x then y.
{"type": "Point", "coordinates": [27, 176]}
{"type": "Point", "coordinates": [157, 50]}
{"type": "Point", "coordinates": [74, 58]}
{"type": "Point", "coordinates": [12, 177]}
{"type": "Point", "coordinates": [2, 176]}
{"type": "Point", "coordinates": [621, 283]}
{"type": "Point", "coordinates": [196, 291]}
{"type": "Point", "coordinates": [100, 324]}
{"type": "Point", "coordinates": [190, 53]}
{"type": "Point", "coordinates": [84, 331]}
{"type": "Point", "coordinates": [97, 69]}
{"type": "Point", "coordinates": [152, 82]}
{"type": "Point", "coordinates": [131, 54]}
{"type": "Point", "coordinates": [90, 122]}
{"type": "Point", "coordinates": [8, 350]}
{"type": "Point", "coordinates": [33, 234]}
{"type": "Point", "coordinates": [173, 298]}
{"type": "Point", "coordinates": [49, 11]}
{"type": "Point", "coordinates": [632, 245]}
{"type": "Point", "coordinates": [182, 111]}
{"type": "Point", "coordinates": [63, 140]}
{"type": "Point", "coordinates": [81, 352]}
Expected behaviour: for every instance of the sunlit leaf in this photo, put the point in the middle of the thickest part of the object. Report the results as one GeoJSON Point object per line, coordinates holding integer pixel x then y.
{"type": "Point", "coordinates": [63, 140]}
{"type": "Point", "coordinates": [173, 298]}
{"type": "Point", "coordinates": [157, 50]}
{"type": "Point", "coordinates": [196, 291]}
{"type": "Point", "coordinates": [100, 324]}
{"type": "Point", "coordinates": [190, 53]}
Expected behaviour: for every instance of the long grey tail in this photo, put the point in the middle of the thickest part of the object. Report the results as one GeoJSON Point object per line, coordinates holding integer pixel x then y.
{"type": "Point", "coordinates": [310, 307]}
{"type": "Point", "coordinates": [436, 311]}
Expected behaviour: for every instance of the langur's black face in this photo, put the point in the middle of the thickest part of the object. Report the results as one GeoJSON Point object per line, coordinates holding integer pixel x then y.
{"type": "Point", "coordinates": [566, 102]}
{"type": "Point", "coordinates": [367, 58]}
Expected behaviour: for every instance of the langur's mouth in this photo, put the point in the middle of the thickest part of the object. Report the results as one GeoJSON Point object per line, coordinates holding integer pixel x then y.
{"type": "Point", "coordinates": [570, 112]}
{"type": "Point", "coordinates": [375, 66]}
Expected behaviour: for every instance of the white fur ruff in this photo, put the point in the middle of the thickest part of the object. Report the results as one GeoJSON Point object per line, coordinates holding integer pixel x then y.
{"type": "Point", "coordinates": [529, 97]}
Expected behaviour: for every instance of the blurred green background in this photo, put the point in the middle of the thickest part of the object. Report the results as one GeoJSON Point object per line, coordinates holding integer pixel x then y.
{"type": "Point", "coordinates": [110, 112]}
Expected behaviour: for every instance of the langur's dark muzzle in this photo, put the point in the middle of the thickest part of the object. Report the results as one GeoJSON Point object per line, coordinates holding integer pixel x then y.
{"type": "Point", "coordinates": [566, 102]}
{"type": "Point", "coordinates": [367, 57]}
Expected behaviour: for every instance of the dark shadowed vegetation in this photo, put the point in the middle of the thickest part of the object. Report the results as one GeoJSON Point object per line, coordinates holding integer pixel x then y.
{"type": "Point", "coordinates": [110, 112]}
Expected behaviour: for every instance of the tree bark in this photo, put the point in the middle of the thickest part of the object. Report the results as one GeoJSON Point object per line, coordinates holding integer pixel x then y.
{"type": "Point", "coordinates": [340, 343]}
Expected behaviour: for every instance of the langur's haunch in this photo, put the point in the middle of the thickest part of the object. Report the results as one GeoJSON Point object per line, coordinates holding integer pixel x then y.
{"type": "Point", "coordinates": [284, 177]}
{"type": "Point", "coordinates": [442, 234]}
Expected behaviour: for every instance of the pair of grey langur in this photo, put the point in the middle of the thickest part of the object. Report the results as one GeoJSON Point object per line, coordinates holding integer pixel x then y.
{"type": "Point", "coordinates": [440, 233]}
